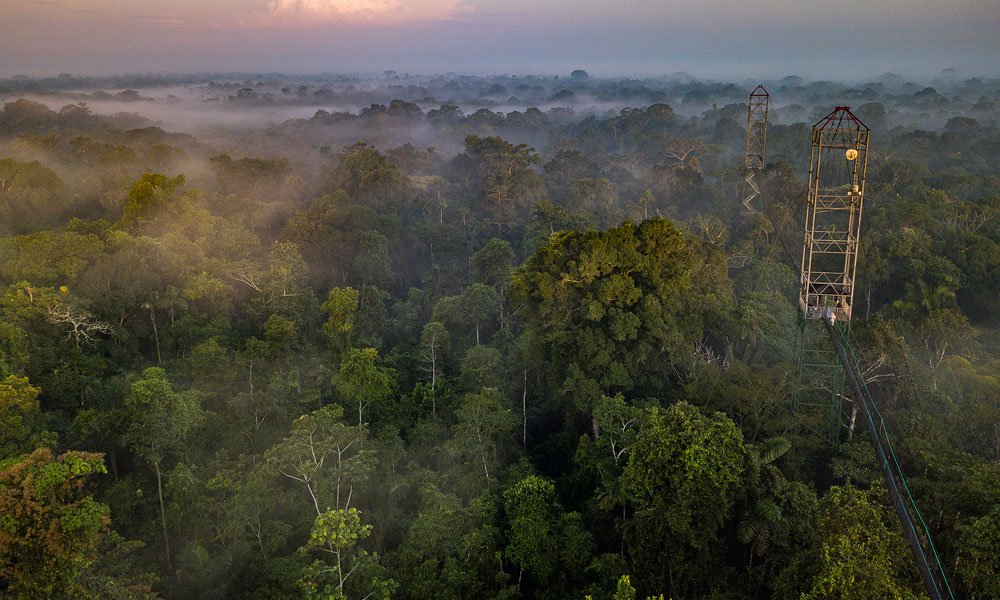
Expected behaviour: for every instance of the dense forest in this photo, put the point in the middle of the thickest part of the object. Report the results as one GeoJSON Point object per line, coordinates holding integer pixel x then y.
{"type": "Point", "coordinates": [499, 337]}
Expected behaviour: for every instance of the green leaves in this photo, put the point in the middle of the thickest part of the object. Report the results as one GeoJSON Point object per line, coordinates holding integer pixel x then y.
{"type": "Point", "coordinates": [606, 306]}
{"type": "Point", "coordinates": [336, 533]}
{"type": "Point", "coordinates": [979, 555]}
{"type": "Point", "coordinates": [341, 302]}
{"type": "Point", "coordinates": [685, 469]}
{"type": "Point", "coordinates": [684, 474]}
{"type": "Point", "coordinates": [20, 417]}
{"type": "Point", "coordinates": [483, 425]}
{"type": "Point", "coordinates": [360, 380]}
{"type": "Point", "coordinates": [860, 557]}
{"type": "Point", "coordinates": [339, 529]}
{"type": "Point", "coordinates": [161, 419]}
{"type": "Point", "coordinates": [532, 510]}
{"type": "Point", "coordinates": [148, 194]}
{"type": "Point", "coordinates": [49, 529]}
{"type": "Point", "coordinates": [325, 455]}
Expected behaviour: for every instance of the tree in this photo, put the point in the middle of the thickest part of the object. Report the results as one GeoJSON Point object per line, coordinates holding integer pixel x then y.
{"type": "Point", "coordinates": [335, 535]}
{"type": "Point", "coordinates": [483, 424]}
{"type": "Point", "coordinates": [684, 473]}
{"type": "Point", "coordinates": [21, 420]}
{"type": "Point", "coordinates": [860, 556]}
{"type": "Point", "coordinates": [612, 311]}
{"type": "Point", "coordinates": [29, 195]}
{"type": "Point", "coordinates": [325, 455]}
{"type": "Point", "coordinates": [482, 367]}
{"type": "Point", "coordinates": [545, 541]}
{"type": "Point", "coordinates": [360, 379]}
{"type": "Point", "coordinates": [533, 515]}
{"type": "Point", "coordinates": [762, 521]}
{"type": "Point", "coordinates": [372, 262]}
{"type": "Point", "coordinates": [481, 304]}
{"type": "Point", "coordinates": [450, 550]}
{"type": "Point", "coordinates": [248, 176]}
{"type": "Point", "coordinates": [161, 422]}
{"type": "Point", "coordinates": [341, 304]}
{"type": "Point", "coordinates": [595, 197]}
{"type": "Point", "coordinates": [978, 562]}
{"type": "Point", "coordinates": [492, 264]}
{"type": "Point", "coordinates": [434, 344]}
{"type": "Point", "coordinates": [504, 171]}
{"type": "Point", "coordinates": [147, 195]}
{"type": "Point", "coordinates": [49, 528]}
{"type": "Point", "coordinates": [368, 176]}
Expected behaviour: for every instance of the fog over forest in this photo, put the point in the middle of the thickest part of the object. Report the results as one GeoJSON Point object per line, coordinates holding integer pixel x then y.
{"type": "Point", "coordinates": [486, 336]}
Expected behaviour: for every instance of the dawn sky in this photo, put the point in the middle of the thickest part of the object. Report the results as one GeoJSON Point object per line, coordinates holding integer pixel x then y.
{"type": "Point", "coordinates": [717, 38]}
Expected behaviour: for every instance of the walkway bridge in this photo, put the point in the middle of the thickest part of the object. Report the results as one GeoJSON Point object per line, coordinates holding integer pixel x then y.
{"type": "Point", "coordinates": [915, 530]}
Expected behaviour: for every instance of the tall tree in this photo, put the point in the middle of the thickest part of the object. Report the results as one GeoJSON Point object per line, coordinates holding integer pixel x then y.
{"type": "Point", "coordinates": [684, 473]}
{"type": "Point", "coordinates": [360, 379]}
{"type": "Point", "coordinates": [483, 425]}
{"type": "Point", "coordinates": [162, 420]}
{"type": "Point", "coordinates": [325, 455]}
{"type": "Point", "coordinates": [605, 307]}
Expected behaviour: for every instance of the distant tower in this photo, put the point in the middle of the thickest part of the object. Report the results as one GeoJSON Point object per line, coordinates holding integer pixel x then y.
{"type": "Point", "coordinates": [755, 144]}
{"type": "Point", "coordinates": [835, 198]}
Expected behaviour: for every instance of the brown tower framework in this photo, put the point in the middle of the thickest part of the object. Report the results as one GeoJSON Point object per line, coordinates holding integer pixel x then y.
{"type": "Point", "coordinates": [837, 166]}
{"type": "Point", "coordinates": [755, 143]}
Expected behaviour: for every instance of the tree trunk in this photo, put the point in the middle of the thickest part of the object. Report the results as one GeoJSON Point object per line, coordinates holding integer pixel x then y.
{"type": "Point", "coordinates": [156, 334]}
{"type": "Point", "coordinates": [482, 454]}
{"type": "Point", "coordinates": [434, 415]}
{"type": "Point", "coordinates": [854, 418]}
{"type": "Point", "coordinates": [524, 412]}
{"type": "Point", "coordinates": [163, 517]}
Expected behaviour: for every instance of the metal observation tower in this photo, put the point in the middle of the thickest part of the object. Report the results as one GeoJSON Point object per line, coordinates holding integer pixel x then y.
{"type": "Point", "coordinates": [834, 201]}
{"type": "Point", "coordinates": [756, 144]}
{"type": "Point", "coordinates": [837, 165]}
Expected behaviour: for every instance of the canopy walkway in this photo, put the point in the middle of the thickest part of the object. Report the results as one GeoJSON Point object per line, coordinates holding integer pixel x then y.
{"type": "Point", "coordinates": [914, 527]}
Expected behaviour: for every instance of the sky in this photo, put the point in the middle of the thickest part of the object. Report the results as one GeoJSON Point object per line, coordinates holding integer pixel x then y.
{"type": "Point", "coordinates": [845, 40]}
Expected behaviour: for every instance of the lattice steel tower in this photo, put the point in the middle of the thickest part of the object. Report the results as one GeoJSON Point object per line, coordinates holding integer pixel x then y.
{"type": "Point", "coordinates": [756, 144]}
{"type": "Point", "coordinates": [837, 166]}
{"type": "Point", "coordinates": [836, 190]}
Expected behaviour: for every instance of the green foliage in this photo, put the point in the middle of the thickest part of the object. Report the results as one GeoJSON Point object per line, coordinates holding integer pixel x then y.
{"type": "Point", "coordinates": [49, 527]}
{"type": "Point", "coordinates": [514, 448]}
{"type": "Point", "coordinates": [484, 426]}
{"type": "Point", "coordinates": [860, 556]}
{"type": "Point", "coordinates": [29, 195]}
{"type": "Point", "coordinates": [533, 512]}
{"type": "Point", "coordinates": [147, 195]}
{"type": "Point", "coordinates": [624, 591]}
{"type": "Point", "coordinates": [249, 176]}
{"type": "Point", "coordinates": [492, 264]}
{"type": "Point", "coordinates": [335, 534]}
{"type": "Point", "coordinates": [368, 176]}
{"type": "Point", "coordinates": [979, 555]}
{"type": "Point", "coordinates": [545, 541]}
{"type": "Point", "coordinates": [21, 420]}
{"type": "Point", "coordinates": [341, 303]}
{"type": "Point", "coordinates": [324, 455]}
{"type": "Point", "coordinates": [684, 473]}
{"type": "Point", "coordinates": [507, 181]}
{"type": "Point", "coordinates": [603, 305]}
{"type": "Point", "coordinates": [372, 262]}
{"type": "Point", "coordinates": [360, 380]}
{"type": "Point", "coordinates": [161, 418]}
